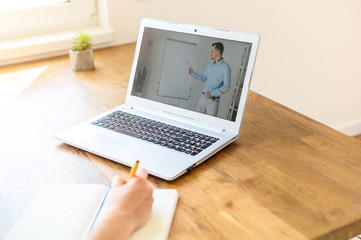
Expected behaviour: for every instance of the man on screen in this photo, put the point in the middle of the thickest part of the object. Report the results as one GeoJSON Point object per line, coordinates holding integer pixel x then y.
{"type": "Point", "coordinates": [218, 81]}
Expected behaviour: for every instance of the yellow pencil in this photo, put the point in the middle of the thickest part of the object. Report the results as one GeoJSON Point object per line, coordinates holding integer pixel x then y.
{"type": "Point", "coordinates": [133, 170]}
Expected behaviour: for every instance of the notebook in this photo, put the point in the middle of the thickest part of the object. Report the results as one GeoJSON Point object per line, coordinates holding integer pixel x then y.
{"type": "Point", "coordinates": [185, 100]}
{"type": "Point", "coordinates": [69, 211]}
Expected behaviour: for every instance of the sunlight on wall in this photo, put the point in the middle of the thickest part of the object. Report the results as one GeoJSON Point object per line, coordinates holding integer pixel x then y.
{"type": "Point", "coordinates": [13, 84]}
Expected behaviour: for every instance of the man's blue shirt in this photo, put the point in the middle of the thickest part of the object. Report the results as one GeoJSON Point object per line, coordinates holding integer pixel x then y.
{"type": "Point", "coordinates": [217, 77]}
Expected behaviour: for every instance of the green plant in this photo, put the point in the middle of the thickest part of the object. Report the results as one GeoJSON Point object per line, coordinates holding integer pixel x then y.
{"type": "Point", "coordinates": [82, 41]}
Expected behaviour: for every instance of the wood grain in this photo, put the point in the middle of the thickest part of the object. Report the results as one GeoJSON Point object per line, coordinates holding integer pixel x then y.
{"type": "Point", "coordinates": [286, 177]}
{"type": "Point", "coordinates": [358, 137]}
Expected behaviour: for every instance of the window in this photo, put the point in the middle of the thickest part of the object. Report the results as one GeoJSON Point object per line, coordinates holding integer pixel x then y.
{"type": "Point", "coordinates": [33, 29]}
{"type": "Point", "coordinates": [23, 17]}
{"type": "Point", "coordinates": [7, 6]}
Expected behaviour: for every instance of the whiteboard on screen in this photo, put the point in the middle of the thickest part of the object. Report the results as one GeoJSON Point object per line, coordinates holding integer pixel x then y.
{"type": "Point", "coordinates": [175, 82]}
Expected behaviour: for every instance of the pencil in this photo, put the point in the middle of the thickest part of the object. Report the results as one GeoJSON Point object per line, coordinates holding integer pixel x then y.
{"type": "Point", "coordinates": [133, 170]}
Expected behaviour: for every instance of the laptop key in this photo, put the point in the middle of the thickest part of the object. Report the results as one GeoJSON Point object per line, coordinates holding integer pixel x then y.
{"type": "Point", "coordinates": [127, 133]}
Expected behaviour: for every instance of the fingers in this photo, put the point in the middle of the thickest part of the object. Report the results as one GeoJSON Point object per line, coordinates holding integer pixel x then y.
{"type": "Point", "coordinates": [142, 173]}
{"type": "Point", "coordinates": [208, 94]}
{"type": "Point", "coordinates": [118, 181]}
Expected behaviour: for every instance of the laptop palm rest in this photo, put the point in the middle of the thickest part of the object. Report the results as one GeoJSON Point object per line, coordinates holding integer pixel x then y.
{"type": "Point", "coordinates": [108, 143]}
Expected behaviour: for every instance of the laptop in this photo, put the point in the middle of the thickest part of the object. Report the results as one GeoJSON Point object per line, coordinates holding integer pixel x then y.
{"type": "Point", "coordinates": [185, 99]}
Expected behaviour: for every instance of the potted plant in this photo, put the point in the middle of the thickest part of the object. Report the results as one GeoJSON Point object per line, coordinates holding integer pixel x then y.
{"type": "Point", "coordinates": [81, 53]}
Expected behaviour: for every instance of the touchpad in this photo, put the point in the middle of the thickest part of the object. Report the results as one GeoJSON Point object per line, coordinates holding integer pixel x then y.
{"type": "Point", "coordinates": [106, 142]}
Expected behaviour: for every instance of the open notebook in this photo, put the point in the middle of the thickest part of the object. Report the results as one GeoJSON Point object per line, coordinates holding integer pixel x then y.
{"type": "Point", "coordinates": [68, 212]}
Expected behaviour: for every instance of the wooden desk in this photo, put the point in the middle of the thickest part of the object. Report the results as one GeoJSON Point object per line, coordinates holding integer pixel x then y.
{"type": "Point", "coordinates": [287, 177]}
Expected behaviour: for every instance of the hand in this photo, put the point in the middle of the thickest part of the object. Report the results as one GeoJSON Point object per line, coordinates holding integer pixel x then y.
{"type": "Point", "coordinates": [128, 207]}
{"type": "Point", "coordinates": [208, 95]}
{"type": "Point", "coordinates": [190, 70]}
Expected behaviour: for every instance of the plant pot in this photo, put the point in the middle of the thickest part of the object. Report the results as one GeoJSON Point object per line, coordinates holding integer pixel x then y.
{"type": "Point", "coordinates": [82, 60]}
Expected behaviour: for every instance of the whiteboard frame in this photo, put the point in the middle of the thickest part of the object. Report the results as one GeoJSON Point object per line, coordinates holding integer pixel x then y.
{"type": "Point", "coordinates": [164, 82]}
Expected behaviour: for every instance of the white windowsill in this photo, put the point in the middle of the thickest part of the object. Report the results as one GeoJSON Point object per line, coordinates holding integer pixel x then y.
{"type": "Point", "coordinates": [48, 45]}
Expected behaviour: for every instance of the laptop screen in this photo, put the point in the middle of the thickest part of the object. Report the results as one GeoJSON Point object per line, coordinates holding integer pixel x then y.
{"type": "Point", "coordinates": [193, 72]}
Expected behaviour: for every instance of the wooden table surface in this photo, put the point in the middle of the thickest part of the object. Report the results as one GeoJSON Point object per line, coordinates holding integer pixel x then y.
{"type": "Point", "coordinates": [286, 177]}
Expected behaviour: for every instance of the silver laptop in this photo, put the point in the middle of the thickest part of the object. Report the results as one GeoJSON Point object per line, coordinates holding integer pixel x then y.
{"type": "Point", "coordinates": [185, 100]}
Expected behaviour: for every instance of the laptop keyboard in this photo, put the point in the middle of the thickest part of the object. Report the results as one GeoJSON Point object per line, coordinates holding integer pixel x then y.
{"type": "Point", "coordinates": [179, 139]}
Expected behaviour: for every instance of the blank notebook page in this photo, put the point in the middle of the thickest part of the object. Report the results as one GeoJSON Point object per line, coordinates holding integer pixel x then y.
{"type": "Point", "coordinates": [67, 211]}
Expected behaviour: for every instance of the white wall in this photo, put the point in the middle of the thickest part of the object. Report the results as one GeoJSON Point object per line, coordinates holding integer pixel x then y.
{"type": "Point", "coordinates": [309, 57]}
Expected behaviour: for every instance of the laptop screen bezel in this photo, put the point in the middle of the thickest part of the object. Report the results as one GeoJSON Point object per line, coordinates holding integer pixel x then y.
{"type": "Point", "coordinates": [227, 125]}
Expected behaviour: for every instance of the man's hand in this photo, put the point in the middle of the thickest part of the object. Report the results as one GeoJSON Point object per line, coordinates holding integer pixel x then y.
{"type": "Point", "coordinates": [208, 95]}
{"type": "Point", "coordinates": [190, 70]}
